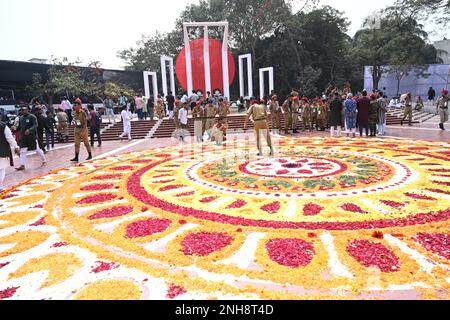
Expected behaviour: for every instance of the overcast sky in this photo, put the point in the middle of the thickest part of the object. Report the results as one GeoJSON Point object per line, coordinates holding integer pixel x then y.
{"type": "Point", "coordinates": [96, 29]}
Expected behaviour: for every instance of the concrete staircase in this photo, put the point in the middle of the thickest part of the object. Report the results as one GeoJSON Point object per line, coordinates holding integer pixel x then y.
{"type": "Point", "coordinates": [418, 116]}
{"type": "Point", "coordinates": [152, 129]}
{"type": "Point", "coordinates": [111, 132]}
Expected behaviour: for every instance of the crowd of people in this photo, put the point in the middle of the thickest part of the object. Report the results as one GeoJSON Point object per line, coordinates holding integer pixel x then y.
{"type": "Point", "coordinates": [337, 110]}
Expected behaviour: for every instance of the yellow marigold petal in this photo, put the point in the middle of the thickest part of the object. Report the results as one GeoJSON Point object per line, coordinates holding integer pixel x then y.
{"type": "Point", "coordinates": [59, 266]}
{"type": "Point", "coordinates": [110, 290]}
{"type": "Point", "coordinates": [23, 241]}
{"type": "Point", "coordinates": [18, 218]}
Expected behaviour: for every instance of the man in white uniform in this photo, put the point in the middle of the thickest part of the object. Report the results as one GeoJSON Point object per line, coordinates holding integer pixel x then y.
{"type": "Point", "coordinates": [7, 142]}
{"type": "Point", "coordinates": [183, 117]}
{"type": "Point", "coordinates": [126, 119]}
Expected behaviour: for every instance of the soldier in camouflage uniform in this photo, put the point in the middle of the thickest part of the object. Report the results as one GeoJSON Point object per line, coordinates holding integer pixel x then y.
{"type": "Point", "coordinates": [210, 112]}
{"type": "Point", "coordinates": [442, 104]}
{"type": "Point", "coordinates": [275, 113]}
{"type": "Point", "coordinates": [374, 108]}
{"type": "Point", "coordinates": [287, 113]}
{"type": "Point", "coordinates": [314, 111]}
{"type": "Point", "coordinates": [306, 114]}
{"type": "Point", "coordinates": [81, 131]}
{"type": "Point", "coordinates": [321, 115]}
{"type": "Point", "coordinates": [296, 112]}
{"type": "Point", "coordinates": [197, 115]}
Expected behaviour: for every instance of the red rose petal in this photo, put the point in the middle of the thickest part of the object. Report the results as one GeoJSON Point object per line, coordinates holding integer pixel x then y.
{"type": "Point", "coordinates": [292, 253]}
{"type": "Point", "coordinates": [204, 243]}
{"type": "Point", "coordinates": [186, 194]}
{"type": "Point", "coordinates": [104, 266]}
{"type": "Point", "coordinates": [122, 168]}
{"type": "Point", "coordinates": [378, 235]}
{"type": "Point", "coordinates": [350, 207]}
{"type": "Point", "coordinates": [271, 207]}
{"type": "Point", "coordinates": [371, 254]}
{"type": "Point", "coordinates": [97, 187]}
{"type": "Point", "coordinates": [237, 204]}
{"type": "Point", "coordinates": [440, 170]}
{"type": "Point", "coordinates": [437, 243]}
{"type": "Point", "coordinates": [439, 191]}
{"type": "Point", "coordinates": [162, 176]}
{"type": "Point", "coordinates": [147, 227]}
{"type": "Point", "coordinates": [108, 177]}
{"type": "Point", "coordinates": [112, 212]}
{"type": "Point", "coordinates": [175, 291]}
{"type": "Point", "coordinates": [443, 183]}
{"type": "Point", "coordinates": [164, 181]}
{"type": "Point", "coordinates": [312, 209]}
{"type": "Point", "coordinates": [419, 197]}
{"type": "Point", "coordinates": [171, 187]}
{"type": "Point", "coordinates": [40, 222]}
{"type": "Point", "coordinates": [208, 199]}
{"type": "Point", "coordinates": [8, 293]}
{"type": "Point", "coordinates": [393, 204]}
{"type": "Point", "coordinates": [60, 244]}
{"type": "Point", "coordinates": [98, 198]}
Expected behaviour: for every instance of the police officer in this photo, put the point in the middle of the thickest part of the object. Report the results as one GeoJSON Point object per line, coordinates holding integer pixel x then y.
{"type": "Point", "coordinates": [306, 114]}
{"type": "Point", "coordinates": [287, 112]}
{"type": "Point", "coordinates": [81, 131]}
{"type": "Point", "coordinates": [408, 109]}
{"type": "Point", "coordinates": [314, 111]}
{"type": "Point", "coordinates": [211, 112]}
{"type": "Point", "coordinates": [258, 113]}
{"type": "Point", "coordinates": [197, 115]}
{"type": "Point", "coordinates": [296, 112]}
{"type": "Point", "coordinates": [442, 104]}
{"type": "Point", "coordinates": [275, 113]}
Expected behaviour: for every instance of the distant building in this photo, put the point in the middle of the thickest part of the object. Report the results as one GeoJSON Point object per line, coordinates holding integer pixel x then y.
{"type": "Point", "coordinates": [438, 77]}
{"type": "Point", "coordinates": [443, 48]}
{"type": "Point", "coordinates": [16, 76]}
{"type": "Point", "coordinates": [37, 60]}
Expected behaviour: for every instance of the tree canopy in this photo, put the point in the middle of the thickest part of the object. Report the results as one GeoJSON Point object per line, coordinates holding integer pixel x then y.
{"type": "Point", "coordinates": [309, 48]}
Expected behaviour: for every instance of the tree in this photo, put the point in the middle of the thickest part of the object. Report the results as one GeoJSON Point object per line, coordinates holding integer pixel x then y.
{"type": "Point", "coordinates": [398, 42]}
{"type": "Point", "coordinates": [307, 41]}
{"type": "Point", "coordinates": [368, 49]}
{"type": "Point", "coordinates": [149, 49]}
{"type": "Point", "coordinates": [69, 79]}
{"type": "Point", "coordinates": [250, 21]}
{"type": "Point", "coordinates": [113, 89]}
{"type": "Point", "coordinates": [409, 53]}
{"type": "Point", "coordinates": [438, 10]}
{"type": "Point", "coordinates": [307, 81]}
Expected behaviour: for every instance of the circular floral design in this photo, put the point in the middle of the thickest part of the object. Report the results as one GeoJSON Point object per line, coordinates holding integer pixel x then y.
{"type": "Point", "coordinates": [294, 167]}
{"type": "Point", "coordinates": [324, 218]}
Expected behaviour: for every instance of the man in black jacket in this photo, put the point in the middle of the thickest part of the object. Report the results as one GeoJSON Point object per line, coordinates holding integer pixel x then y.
{"type": "Point", "coordinates": [170, 104]}
{"type": "Point", "coordinates": [50, 124]}
{"type": "Point", "coordinates": [431, 94]}
{"type": "Point", "coordinates": [42, 126]}
{"type": "Point", "coordinates": [28, 137]}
